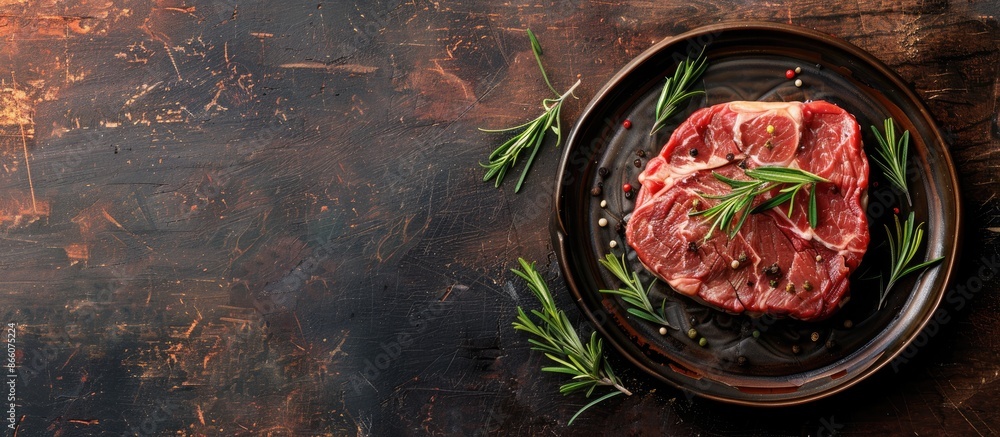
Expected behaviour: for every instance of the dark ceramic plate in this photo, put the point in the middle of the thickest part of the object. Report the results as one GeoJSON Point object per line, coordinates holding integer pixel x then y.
{"type": "Point", "coordinates": [756, 361]}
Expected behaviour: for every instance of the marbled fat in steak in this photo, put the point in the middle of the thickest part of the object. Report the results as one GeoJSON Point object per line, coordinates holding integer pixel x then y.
{"type": "Point", "coordinates": [787, 268]}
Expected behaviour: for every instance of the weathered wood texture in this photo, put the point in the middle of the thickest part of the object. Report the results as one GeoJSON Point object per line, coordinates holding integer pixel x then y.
{"type": "Point", "coordinates": [266, 218]}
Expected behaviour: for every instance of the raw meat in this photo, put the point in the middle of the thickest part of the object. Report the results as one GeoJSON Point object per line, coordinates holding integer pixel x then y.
{"type": "Point", "coordinates": [785, 268]}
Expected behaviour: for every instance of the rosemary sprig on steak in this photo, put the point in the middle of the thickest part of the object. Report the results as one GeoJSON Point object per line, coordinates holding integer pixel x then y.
{"type": "Point", "coordinates": [676, 89]}
{"type": "Point", "coordinates": [902, 249]}
{"type": "Point", "coordinates": [553, 334]}
{"type": "Point", "coordinates": [762, 180]}
{"type": "Point", "coordinates": [892, 153]}
{"type": "Point", "coordinates": [633, 291]}
{"type": "Point", "coordinates": [531, 134]}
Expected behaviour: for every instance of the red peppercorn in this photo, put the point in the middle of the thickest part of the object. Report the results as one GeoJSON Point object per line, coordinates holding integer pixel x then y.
{"type": "Point", "coordinates": [790, 74]}
{"type": "Point", "coordinates": [627, 124]}
{"type": "Point", "coordinates": [895, 210]}
{"type": "Point", "coordinates": [627, 188]}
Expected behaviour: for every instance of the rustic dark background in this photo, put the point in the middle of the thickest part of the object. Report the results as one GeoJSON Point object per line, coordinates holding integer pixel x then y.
{"type": "Point", "coordinates": [266, 218]}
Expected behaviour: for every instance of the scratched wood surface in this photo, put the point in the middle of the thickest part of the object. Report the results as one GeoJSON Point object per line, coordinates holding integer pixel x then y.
{"type": "Point", "coordinates": [266, 218]}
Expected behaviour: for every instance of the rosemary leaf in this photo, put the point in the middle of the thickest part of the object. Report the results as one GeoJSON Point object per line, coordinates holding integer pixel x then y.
{"type": "Point", "coordinates": [762, 180]}
{"type": "Point", "coordinates": [555, 336]}
{"type": "Point", "coordinates": [633, 292]}
{"type": "Point", "coordinates": [591, 404]}
{"type": "Point", "coordinates": [676, 89]}
{"type": "Point", "coordinates": [892, 155]}
{"type": "Point", "coordinates": [532, 134]}
{"type": "Point", "coordinates": [903, 247]}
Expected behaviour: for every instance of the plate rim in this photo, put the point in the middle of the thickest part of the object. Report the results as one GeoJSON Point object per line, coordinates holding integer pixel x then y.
{"type": "Point", "coordinates": [560, 234]}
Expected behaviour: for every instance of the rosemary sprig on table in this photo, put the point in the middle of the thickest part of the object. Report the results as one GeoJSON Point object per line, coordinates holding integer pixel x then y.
{"type": "Point", "coordinates": [762, 180]}
{"type": "Point", "coordinates": [902, 249]}
{"type": "Point", "coordinates": [892, 153]}
{"type": "Point", "coordinates": [531, 134]}
{"type": "Point", "coordinates": [675, 90]}
{"type": "Point", "coordinates": [634, 293]}
{"type": "Point", "coordinates": [554, 335]}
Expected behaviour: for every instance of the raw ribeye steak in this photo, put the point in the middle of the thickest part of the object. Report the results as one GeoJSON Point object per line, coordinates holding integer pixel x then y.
{"type": "Point", "coordinates": [783, 266]}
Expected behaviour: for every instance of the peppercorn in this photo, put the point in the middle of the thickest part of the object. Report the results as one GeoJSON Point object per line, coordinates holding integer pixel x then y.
{"type": "Point", "coordinates": [603, 172]}
{"type": "Point", "coordinates": [814, 336]}
{"type": "Point", "coordinates": [790, 287]}
{"type": "Point", "coordinates": [693, 152]}
{"type": "Point", "coordinates": [692, 333]}
{"type": "Point", "coordinates": [596, 191]}
{"type": "Point", "coordinates": [770, 129]}
{"type": "Point", "coordinates": [663, 330]}
{"type": "Point", "coordinates": [637, 163]}
{"type": "Point", "coordinates": [807, 286]}
{"type": "Point", "coordinates": [756, 333]}
{"type": "Point", "coordinates": [796, 349]}
{"type": "Point", "coordinates": [692, 246]}
{"type": "Point", "coordinates": [789, 74]}
{"type": "Point", "coordinates": [774, 269]}
{"type": "Point", "coordinates": [741, 361]}
{"type": "Point", "coordinates": [640, 153]}
{"type": "Point", "coordinates": [768, 145]}
{"type": "Point", "coordinates": [730, 157]}
{"type": "Point", "coordinates": [703, 342]}
{"type": "Point", "coordinates": [627, 124]}
{"type": "Point", "coordinates": [627, 187]}
{"type": "Point", "coordinates": [848, 324]}
{"type": "Point", "coordinates": [628, 195]}
{"type": "Point", "coordinates": [773, 283]}
{"type": "Point", "coordinates": [742, 258]}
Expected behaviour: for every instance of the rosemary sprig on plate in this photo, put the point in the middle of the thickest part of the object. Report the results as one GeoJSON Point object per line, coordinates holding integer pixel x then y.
{"type": "Point", "coordinates": [762, 180]}
{"type": "Point", "coordinates": [531, 134]}
{"type": "Point", "coordinates": [554, 335]}
{"type": "Point", "coordinates": [892, 153]}
{"type": "Point", "coordinates": [634, 293]}
{"type": "Point", "coordinates": [675, 90]}
{"type": "Point", "coordinates": [902, 249]}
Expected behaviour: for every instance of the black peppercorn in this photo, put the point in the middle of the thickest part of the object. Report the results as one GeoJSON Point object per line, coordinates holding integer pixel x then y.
{"type": "Point", "coordinates": [640, 153]}
{"type": "Point", "coordinates": [603, 172]}
{"type": "Point", "coordinates": [693, 152]}
{"type": "Point", "coordinates": [730, 157]}
{"type": "Point", "coordinates": [692, 246]}
{"type": "Point", "coordinates": [637, 163]}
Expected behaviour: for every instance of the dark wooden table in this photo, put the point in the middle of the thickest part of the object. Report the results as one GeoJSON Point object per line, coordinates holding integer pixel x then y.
{"type": "Point", "coordinates": [260, 218]}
